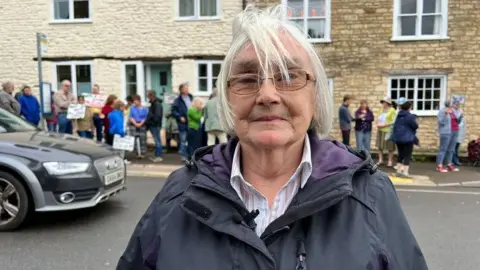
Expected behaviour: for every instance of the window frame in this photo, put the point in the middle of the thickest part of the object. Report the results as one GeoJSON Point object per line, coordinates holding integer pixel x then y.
{"type": "Point", "coordinates": [328, 21]}
{"type": "Point", "coordinates": [196, 12]}
{"type": "Point", "coordinates": [73, 74]}
{"type": "Point", "coordinates": [71, 13]}
{"type": "Point", "coordinates": [443, 91]}
{"type": "Point", "coordinates": [210, 86]}
{"type": "Point", "coordinates": [396, 35]}
{"type": "Point", "coordinates": [140, 70]}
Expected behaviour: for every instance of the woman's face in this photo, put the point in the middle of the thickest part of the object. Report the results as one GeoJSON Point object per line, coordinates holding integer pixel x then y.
{"type": "Point", "coordinates": [271, 118]}
{"type": "Point", "coordinates": [81, 100]}
{"type": "Point", "coordinates": [137, 102]}
{"type": "Point", "coordinates": [385, 105]}
{"type": "Point", "coordinates": [363, 105]}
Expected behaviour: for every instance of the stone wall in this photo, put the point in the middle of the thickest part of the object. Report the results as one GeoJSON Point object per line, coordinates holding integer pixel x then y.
{"type": "Point", "coordinates": [362, 54]}
{"type": "Point", "coordinates": [120, 30]}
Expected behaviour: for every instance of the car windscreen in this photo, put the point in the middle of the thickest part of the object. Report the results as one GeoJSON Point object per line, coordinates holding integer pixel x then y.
{"type": "Point", "coordinates": [12, 123]}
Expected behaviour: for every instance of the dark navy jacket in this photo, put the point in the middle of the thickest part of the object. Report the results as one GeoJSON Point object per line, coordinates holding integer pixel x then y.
{"type": "Point", "coordinates": [405, 128]}
{"type": "Point", "coordinates": [347, 216]}
{"type": "Point", "coordinates": [179, 109]}
{"type": "Point", "coordinates": [364, 124]}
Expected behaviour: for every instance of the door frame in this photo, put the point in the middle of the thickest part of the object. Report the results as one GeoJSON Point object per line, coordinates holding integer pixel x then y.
{"type": "Point", "coordinates": [148, 71]}
{"type": "Point", "coordinates": [140, 79]}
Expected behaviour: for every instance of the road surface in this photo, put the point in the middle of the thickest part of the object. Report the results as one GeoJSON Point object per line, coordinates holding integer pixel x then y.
{"type": "Point", "coordinates": [446, 223]}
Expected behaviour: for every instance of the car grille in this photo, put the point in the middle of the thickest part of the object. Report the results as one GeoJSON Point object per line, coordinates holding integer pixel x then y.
{"type": "Point", "coordinates": [107, 165]}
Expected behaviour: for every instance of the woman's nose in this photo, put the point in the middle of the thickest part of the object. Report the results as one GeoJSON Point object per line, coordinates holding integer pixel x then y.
{"type": "Point", "coordinates": [268, 93]}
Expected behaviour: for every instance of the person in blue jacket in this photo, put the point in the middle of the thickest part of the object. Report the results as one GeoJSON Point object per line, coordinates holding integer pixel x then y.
{"type": "Point", "coordinates": [30, 108]}
{"type": "Point", "coordinates": [404, 135]}
{"type": "Point", "coordinates": [180, 108]}
{"type": "Point", "coordinates": [116, 119]}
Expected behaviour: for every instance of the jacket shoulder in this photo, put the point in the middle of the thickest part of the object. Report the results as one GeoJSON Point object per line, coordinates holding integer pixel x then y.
{"type": "Point", "coordinates": [177, 182]}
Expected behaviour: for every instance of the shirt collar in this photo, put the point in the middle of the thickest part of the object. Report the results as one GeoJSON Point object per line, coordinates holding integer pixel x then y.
{"type": "Point", "coordinates": [304, 168]}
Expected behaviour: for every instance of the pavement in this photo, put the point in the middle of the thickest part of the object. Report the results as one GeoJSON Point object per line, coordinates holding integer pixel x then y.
{"type": "Point", "coordinates": [444, 220]}
{"type": "Point", "coordinates": [423, 174]}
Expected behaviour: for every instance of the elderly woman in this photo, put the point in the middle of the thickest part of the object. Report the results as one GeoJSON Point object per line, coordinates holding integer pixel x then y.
{"type": "Point", "coordinates": [449, 119]}
{"type": "Point", "coordinates": [275, 196]}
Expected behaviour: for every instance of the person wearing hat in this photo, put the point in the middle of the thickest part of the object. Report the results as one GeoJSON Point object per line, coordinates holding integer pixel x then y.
{"type": "Point", "coordinates": [449, 120]}
{"type": "Point", "coordinates": [385, 121]}
{"type": "Point", "coordinates": [404, 135]}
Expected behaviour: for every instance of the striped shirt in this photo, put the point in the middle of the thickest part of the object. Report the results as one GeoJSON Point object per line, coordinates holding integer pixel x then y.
{"type": "Point", "coordinates": [253, 199]}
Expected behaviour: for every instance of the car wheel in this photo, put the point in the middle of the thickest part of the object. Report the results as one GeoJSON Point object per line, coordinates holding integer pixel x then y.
{"type": "Point", "coordinates": [14, 202]}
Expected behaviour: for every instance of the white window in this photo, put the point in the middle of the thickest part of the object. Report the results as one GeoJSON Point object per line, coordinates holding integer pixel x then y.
{"type": "Point", "coordinates": [206, 76]}
{"type": "Point", "coordinates": [420, 19]}
{"type": "Point", "coordinates": [427, 93]}
{"type": "Point", "coordinates": [79, 73]}
{"type": "Point", "coordinates": [312, 16]}
{"type": "Point", "coordinates": [198, 9]}
{"type": "Point", "coordinates": [133, 79]}
{"type": "Point", "coordinates": [71, 10]}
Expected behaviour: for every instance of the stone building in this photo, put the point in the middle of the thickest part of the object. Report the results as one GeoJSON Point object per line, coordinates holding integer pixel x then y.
{"type": "Point", "coordinates": [124, 46]}
{"type": "Point", "coordinates": [425, 50]}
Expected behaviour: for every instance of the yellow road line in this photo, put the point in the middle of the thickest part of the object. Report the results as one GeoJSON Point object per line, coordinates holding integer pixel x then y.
{"type": "Point", "coordinates": [400, 180]}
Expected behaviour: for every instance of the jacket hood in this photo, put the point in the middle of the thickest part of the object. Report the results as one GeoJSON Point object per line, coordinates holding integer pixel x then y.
{"type": "Point", "coordinates": [328, 157]}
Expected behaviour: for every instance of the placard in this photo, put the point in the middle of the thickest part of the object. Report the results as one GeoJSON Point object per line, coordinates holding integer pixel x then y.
{"type": "Point", "coordinates": [458, 99]}
{"type": "Point", "coordinates": [96, 101]}
{"type": "Point", "coordinates": [76, 111]}
{"type": "Point", "coordinates": [169, 98]}
{"type": "Point", "coordinates": [125, 143]}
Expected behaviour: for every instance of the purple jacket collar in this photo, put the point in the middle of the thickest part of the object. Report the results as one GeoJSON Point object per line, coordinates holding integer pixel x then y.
{"type": "Point", "coordinates": [328, 158]}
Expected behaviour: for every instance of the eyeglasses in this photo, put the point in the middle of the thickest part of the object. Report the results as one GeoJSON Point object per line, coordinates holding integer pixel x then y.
{"type": "Point", "coordinates": [248, 84]}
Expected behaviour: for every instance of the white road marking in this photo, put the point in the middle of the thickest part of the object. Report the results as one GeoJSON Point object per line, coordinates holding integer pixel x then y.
{"type": "Point", "coordinates": [438, 191]}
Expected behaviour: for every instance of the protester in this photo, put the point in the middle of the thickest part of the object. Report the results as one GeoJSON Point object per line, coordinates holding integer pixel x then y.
{"type": "Point", "coordinates": [345, 119]}
{"type": "Point", "coordinates": [116, 120]}
{"type": "Point", "coordinates": [7, 101]}
{"type": "Point", "coordinates": [108, 108]}
{"type": "Point", "coordinates": [85, 125]}
{"type": "Point", "coordinates": [363, 126]}
{"type": "Point", "coordinates": [449, 119]}
{"type": "Point", "coordinates": [171, 129]}
{"type": "Point", "coordinates": [212, 122]}
{"type": "Point", "coordinates": [19, 94]}
{"type": "Point", "coordinates": [274, 196]}
{"type": "Point", "coordinates": [51, 119]}
{"type": "Point", "coordinates": [62, 100]}
{"type": "Point", "coordinates": [194, 137]}
{"type": "Point", "coordinates": [138, 128]}
{"type": "Point", "coordinates": [180, 108]}
{"type": "Point", "coordinates": [462, 134]}
{"type": "Point", "coordinates": [97, 116]}
{"type": "Point", "coordinates": [154, 123]}
{"type": "Point", "coordinates": [385, 121]}
{"type": "Point", "coordinates": [30, 108]}
{"type": "Point", "coordinates": [404, 134]}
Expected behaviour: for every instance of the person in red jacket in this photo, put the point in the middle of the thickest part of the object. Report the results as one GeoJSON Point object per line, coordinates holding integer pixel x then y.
{"type": "Point", "coordinates": [108, 108]}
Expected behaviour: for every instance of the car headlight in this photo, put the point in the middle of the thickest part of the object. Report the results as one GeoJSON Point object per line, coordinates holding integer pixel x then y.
{"type": "Point", "coordinates": [62, 168]}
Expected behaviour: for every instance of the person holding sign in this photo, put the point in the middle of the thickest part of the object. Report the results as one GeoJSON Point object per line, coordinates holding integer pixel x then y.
{"type": "Point", "coordinates": [62, 100]}
{"type": "Point", "coordinates": [85, 125]}
{"type": "Point", "coordinates": [138, 129]}
{"type": "Point", "coordinates": [97, 114]}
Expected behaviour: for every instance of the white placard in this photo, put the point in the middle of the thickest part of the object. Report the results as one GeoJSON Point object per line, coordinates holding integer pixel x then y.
{"type": "Point", "coordinates": [96, 101]}
{"type": "Point", "coordinates": [76, 111]}
{"type": "Point", "coordinates": [126, 143]}
{"type": "Point", "coordinates": [169, 98]}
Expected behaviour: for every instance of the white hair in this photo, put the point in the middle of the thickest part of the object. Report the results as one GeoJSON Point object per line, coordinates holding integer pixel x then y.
{"type": "Point", "coordinates": [261, 29]}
